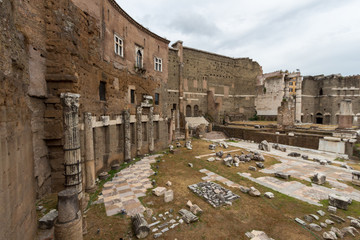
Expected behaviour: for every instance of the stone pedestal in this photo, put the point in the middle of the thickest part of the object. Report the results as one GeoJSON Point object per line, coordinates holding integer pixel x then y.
{"type": "Point", "coordinates": [89, 153]}
{"type": "Point", "coordinates": [151, 130]}
{"type": "Point", "coordinates": [68, 225]}
{"type": "Point", "coordinates": [72, 158]}
{"type": "Point", "coordinates": [127, 136]}
{"type": "Point", "coordinates": [139, 132]}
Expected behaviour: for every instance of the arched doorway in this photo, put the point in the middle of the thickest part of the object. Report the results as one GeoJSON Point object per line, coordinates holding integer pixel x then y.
{"type": "Point", "coordinates": [196, 111]}
{"type": "Point", "coordinates": [188, 111]}
{"type": "Point", "coordinates": [319, 118]}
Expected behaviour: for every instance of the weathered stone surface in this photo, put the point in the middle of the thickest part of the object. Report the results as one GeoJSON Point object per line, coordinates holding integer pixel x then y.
{"type": "Point", "coordinates": [252, 168]}
{"type": "Point", "coordinates": [257, 235]}
{"type": "Point", "coordinates": [319, 178]}
{"type": "Point", "coordinates": [265, 146]}
{"type": "Point", "coordinates": [278, 147]}
{"type": "Point", "coordinates": [321, 213]}
{"type": "Point", "coordinates": [211, 159]}
{"type": "Point", "coordinates": [294, 154]}
{"type": "Point", "coordinates": [220, 154]}
{"type": "Point", "coordinates": [349, 231]}
{"type": "Point", "coordinates": [329, 222]}
{"type": "Point", "coordinates": [282, 175]}
{"type": "Point", "coordinates": [254, 192]}
{"type": "Point", "coordinates": [355, 223]}
{"type": "Point", "coordinates": [269, 195]}
{"type": "Point", "coordinates": [159, 191]}
{"type": "Point", "coordinates": [337, 218]}
{"type": "Point", "coordinates": [301, 222]}
{"type": "Point", "coordinates": [212, 146]}
{"type": "Point", "coordinates": [308, 218]}
{"type": "Point", "coordinates": [190, 165]}
{"type": "Point", "coordinates": [178, 145]}
{"type": "Point", "coordinates": [168, 183]}
{"type": "Point", "coordinates": [315, 227]}
{"type": "Point", "coordinates": [244, 189]}
{"type": "Point", "coordinates": [332, 209]}
{"type": "Point", "coordinates": [157, 235]}
{"type": "Point", "coordinates": [337, 232]}
{"type": "Point", "coordinates": [260, 165]}
{"type": "Point", "coordinates": [224, 145]}
{"type": "Point", "coordinates": [103, 176]}
{"type": "Point", "coordinates": [316, 217]}
{"type": "Point", "coordinates": [140, 226]}
{"type": "Point", "coordinates": [341, 202]}
{"type": "Point", "coordinates": [323, 225]}
{"type": "Point", "coordinates": [188, 216]}
{"type": "Point", "coordinates": [188, 145]}
{"type": "Point", "coordinates": [329, 235]}
{"type": "Point", "coordinates": [305, 157]}
{"type": "Point", "coordinates": [195, 209]}
{"type": "Point", "coordinates": [47, 221]}
{"type": "Point", "coordinates": [168, 196]}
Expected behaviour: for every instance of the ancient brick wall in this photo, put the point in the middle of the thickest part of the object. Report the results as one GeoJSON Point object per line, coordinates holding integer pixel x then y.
{"type": "Point", "coordinates": [81, 57]}
{"type": "Point", "coordinates": [322, 95]}
{"type": "Point", "coordinates": [232, 81]}
{"type": "Point", "coordinates": [17, 194]}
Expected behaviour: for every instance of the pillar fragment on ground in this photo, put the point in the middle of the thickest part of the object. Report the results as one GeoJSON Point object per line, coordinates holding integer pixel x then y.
{"type": "Point", "coordinates": [72, 158]}
{"type": "Point", "coordinates": [68, 225]}
{"type": "Point", "coordinates": [139, 132]}
{"type": "Point", "coordinates": [89, 153]}
{"type": "Point", "coordinates": [186, 131]}
{"type": "Point", "coordinates": [127, 136]}
{"type": "Point", "coordinates": [151, 130]}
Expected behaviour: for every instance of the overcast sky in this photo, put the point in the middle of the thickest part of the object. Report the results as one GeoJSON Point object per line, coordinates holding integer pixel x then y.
{"type": "Point", "coordinates": [315, 36]}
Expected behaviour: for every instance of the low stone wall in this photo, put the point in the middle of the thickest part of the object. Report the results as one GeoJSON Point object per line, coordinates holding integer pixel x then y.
{"type": "Point", "coordinates": [300, 140]}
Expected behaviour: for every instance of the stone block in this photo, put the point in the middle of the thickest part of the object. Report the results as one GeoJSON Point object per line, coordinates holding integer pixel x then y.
{"type": "Point", "coordinates": [47, 221]}
{"type": "Point", "coordinates": [168, 196]}
{"type": "Point", "coordinates": [319, 178]}
{"type": "Point", "coordinates": [159, 191]}
{"type": "Point", "coordinates": [341, 202]}
{"type": "Point", "coordinates": [282, 175]}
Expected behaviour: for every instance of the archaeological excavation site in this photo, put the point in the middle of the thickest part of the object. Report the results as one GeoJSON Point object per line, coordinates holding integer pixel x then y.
{"type": "Point", "coordinates": [111, 131]}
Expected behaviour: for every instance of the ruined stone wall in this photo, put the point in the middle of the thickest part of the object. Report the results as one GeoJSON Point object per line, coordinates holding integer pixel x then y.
{"type": "Point", "coordinates": [232, 81]}
{"type": "Point", "coordinates": [322, 95]}
{"type": "Point", "coordinates": [17, 194]}
{"type": "Point", "coordinates": [80, 57]}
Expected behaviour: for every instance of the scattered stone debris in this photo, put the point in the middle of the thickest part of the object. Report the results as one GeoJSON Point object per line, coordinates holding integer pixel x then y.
{"type": "Point", "coordinates": [140, 226]}
{"type": "Point", "coordinates": [316, 217]}
{"type": "Point", "coordinates": [257, 235]}
{"type": "Point", "coordinates": [332, 209]}
{"type": "Point", "coordinates": [47, 221]}
{"type": "Point", "coordinates": [244, 189]}
{"type": "Point", "coordinates": [212, 146]}
{"type": "Point", "coordinates": [168, 183]}
{"type": "Point", "coordinates": [220, 154]}
{"type": "Point", "coordinates": [315, 227]}
{"type": "Point", "coordinates": [336, 218]}
{"type": "Point", "coordinates": [103, 176]}
{"type": "Point", "coordinates": [278, 147]}
{"type": "Point", "coordinates": [224, 145]}
{"type": "Point", "coordinates": [269, 195]}
{"type": "Point", "coordinates": [178, 145]}
{"type": "Point", "coordinates": [213, 193]}
{"type": "Point", "coordinates": [194, 208]}
{"type": "Point", "coordinates": [159, 191]}
{"type": "Point", "coordinates": [169, 196]}
{"type": "Point", "coordinates": [341, 202]}
{"type": "Point", "coordinates": [188, 145]}
{"type": "Point", "coordinates": [308, 218]}
{"type": "Point", "coordinates": [329, 222]}
{"type": "Point", "coordinates": [282, 175]}
{"type": "Point", "coordinates": [115, 167]}
{"type": "Point", "coordinates": [260, 165]}
{"type": "Point", "coordinates": [321, 213]}
{"type": "Point", "coordinates": [211, 159]}
{"type": "Point", "coordinates": [337, 232]}
{"type": "Point", "coordinates": [323, 225]}
{"type": "Point", "coordinates": [252, 168]}
{"type": "Point", "coordinates": [294, 154]}
{"type": "Point", "coordinates": [349, 231]}
{"type": "Point", "coordinates": [305, 157]}
{"type": "Point", "coordinates": [265, 146]}
{"type": "Point", "coordinates": [355, 223]}
{"type": "Point", "coordinates": [346, 166]}
{"type": "Point", "coordinates": [188, 216]}
{"type": "Point", "coordinates": [319, 178]}
{"type": "Point", "coordinates": [190, 165]}
{"type": "Point", "coordinates": [323, 162]}
{"type": "Point", "coordinates": [329, 235]}
{"type": "Point", "coordinates": [301, 222]}
{"type": "Point", "coordinates": [254, 192]}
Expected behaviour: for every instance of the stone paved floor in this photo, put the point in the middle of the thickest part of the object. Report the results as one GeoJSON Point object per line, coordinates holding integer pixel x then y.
{"type": "Point", "coordinates": [127, 186]}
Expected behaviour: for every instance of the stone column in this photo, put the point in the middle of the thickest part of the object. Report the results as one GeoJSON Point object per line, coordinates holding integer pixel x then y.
{"type": "Point", "coordinates": [68, 225]}
{"type": "Point", "coordinates": [186, 131]}
{"type": "Point", "coordinates": [127, 136]}
{"type": "Point", "coordinates": [177, 119]}
{"type": "Point", "coordinates": [151, 130]}
{"type": "Point", "coordinates": [89, 153]}
{"type": "Point", "coordinates": [72, 158]}
{"type": "Point", "coordinates": [139, 132]}
{"type": "Point", "coordinates": [286, 88]}
{"type": "Point", "coordinates": [173, 125]}
{"type": "Point", "coordinates": [298, 99]}
{"type": "Point", "coordinates": [346, 114]}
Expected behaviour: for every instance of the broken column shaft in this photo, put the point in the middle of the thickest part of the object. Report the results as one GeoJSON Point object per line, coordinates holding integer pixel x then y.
{"type": "Point", "coordinates": [151, 130]}
{"type": "Point", "coordinates": [127, 136]}
{"type": "Point", "coordinates": [72, 157]}
{"type": "Point", "coordinates": [138, 130]}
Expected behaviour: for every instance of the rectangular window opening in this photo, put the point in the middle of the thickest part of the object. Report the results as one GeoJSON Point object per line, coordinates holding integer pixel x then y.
{"type": "Point", "coordinates": [132, 96]}
{"type": "Point", "coordinates": [158, 64]}
{"type": "Point", "coordinates": [157, 99]}
{"type": "Point", "coordinates": [119, 48]}
{"type": "Point", "coordinates": [102, 91]}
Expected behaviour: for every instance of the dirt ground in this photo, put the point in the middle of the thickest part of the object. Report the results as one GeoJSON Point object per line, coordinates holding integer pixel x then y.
{"type": "Point", "coordinates": [275, 216]}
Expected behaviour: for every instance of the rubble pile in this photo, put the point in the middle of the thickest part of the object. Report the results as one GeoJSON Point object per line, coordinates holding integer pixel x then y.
{"type": "Point", "coordinates": [213, 193]}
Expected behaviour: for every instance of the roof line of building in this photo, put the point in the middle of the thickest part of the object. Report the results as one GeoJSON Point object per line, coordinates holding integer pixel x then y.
{"type": "Point", "coordinates": [215, 54]}
{"type": "Point", "coordinates": [141, 27]}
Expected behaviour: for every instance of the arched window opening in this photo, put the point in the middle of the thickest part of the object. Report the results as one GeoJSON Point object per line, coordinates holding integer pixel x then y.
{"type": "Point", "coordinates": [188, 111]}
